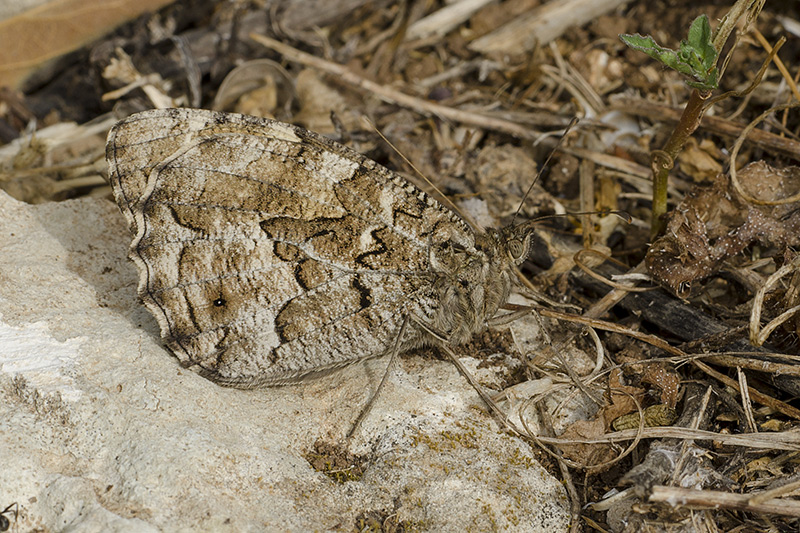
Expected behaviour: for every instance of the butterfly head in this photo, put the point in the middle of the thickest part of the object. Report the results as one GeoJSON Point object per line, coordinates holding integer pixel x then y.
{"type": "Point", "coordinates": [516, 241]}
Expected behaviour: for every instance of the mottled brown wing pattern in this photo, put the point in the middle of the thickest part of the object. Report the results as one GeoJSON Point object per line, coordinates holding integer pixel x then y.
{"type": "Point", "coordinates": [267, 252]}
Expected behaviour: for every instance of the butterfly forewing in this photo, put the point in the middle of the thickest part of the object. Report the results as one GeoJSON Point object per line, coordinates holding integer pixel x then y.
{"type": "Point", "coordinates": [267, 252]}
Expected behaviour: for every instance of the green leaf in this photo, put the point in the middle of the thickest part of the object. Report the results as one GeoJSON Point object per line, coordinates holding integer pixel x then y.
{"type": "Point", "coordinates": [709, 84]}
{"type": "Point", "coordinates": [649, 46]}
{"type": "Point", "coordinates": [700, 40]}
{"type": "Point", "coordinates": [696, 57]}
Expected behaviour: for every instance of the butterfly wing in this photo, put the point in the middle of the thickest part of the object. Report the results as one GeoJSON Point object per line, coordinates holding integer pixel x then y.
{"type": "Point", "coordinates": [267, 252]}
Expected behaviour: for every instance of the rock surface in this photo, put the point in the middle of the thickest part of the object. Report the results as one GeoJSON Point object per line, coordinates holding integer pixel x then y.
{"type": "Point", "coordinates": [102, 430]}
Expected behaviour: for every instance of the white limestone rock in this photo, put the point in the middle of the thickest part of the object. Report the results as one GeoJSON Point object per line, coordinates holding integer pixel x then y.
{"type": "Point", "coordinates": [102, 430]}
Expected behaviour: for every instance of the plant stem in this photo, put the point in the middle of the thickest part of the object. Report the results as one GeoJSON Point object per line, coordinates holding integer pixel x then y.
{"type": "Point", "coordinates": [663, 160]}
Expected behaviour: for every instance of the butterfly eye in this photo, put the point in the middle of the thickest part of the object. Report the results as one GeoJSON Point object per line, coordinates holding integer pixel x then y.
{"type": "Point", "coordinates": [516, 248]}
{"type": "Point", "coordinates": [684, 289]}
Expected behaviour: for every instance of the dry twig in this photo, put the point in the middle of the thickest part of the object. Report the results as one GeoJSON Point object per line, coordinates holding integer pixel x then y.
{"type": "Point", "coordinates": [719, 126]}
{"type": "Point", "coordinates": [713, 499]}
{"type": "Point", "coordinates": [392, 96]}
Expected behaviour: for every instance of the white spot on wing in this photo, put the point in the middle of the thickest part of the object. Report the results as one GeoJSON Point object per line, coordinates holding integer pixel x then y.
{"type": "Point", "coordinates": [386, 201]}
{"type": "Point", "coordinates": [335, 167]}
{"type": "Point", "coordinates": [281, 132]}
{"type": "Point", "coordinates": [365, 240]}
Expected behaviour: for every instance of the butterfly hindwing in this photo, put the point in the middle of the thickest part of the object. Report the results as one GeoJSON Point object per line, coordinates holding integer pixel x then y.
{"type": "Point", "coordinates": [267, 252]}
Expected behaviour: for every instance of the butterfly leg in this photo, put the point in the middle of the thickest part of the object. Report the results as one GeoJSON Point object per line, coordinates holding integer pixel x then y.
{"type": "Point", "coordinates": [490, 403]}
{"type": "Point", "coordinates": [517, 311]}
{"type": "Point", "coordinates": [392, 356]}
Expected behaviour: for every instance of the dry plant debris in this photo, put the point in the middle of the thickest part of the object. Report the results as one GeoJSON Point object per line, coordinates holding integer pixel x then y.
{"type": "Point", "coordinates": [715, 224]}
{"type": "Point", "coordinates": [635, 395]}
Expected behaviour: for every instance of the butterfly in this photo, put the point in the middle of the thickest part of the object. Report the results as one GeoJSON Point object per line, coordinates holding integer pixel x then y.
{"type": "Point", "coordinates": [269, 254]}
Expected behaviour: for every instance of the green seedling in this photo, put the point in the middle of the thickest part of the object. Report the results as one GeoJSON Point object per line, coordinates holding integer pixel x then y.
{"type": "Point", "coordinates": [696, 57]}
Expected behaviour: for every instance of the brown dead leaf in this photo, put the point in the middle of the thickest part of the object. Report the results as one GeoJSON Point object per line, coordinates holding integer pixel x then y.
{"type": "Point", "coordinates": [317, 100]}
{"type": "Point", "coordinates": [260, 87]}
{"type": "Point", "coordinates": [700, 161]}
{"type": "Point", "coordinates": [587, 454]}
{"type": "Point", "coordinates": [664, 378]}
{"type": "Point", "coordinates": [658, 374]}
{"type": "Point", "coordinates": [714, 224]}
{"type": "Point", "coordinates": [654, 416]}
{"type": "Point", "coordinates": [622, 398]}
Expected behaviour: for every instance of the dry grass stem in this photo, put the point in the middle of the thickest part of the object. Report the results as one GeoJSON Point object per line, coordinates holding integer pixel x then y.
{"type": "Point", "coordinates": [713, 499]}
{"type": "Point", "coordinates": [387, 94]}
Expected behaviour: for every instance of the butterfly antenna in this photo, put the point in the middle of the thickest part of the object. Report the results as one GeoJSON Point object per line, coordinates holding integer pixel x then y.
{"type": "Point", "coordinates": [447, 200]}
{"type": "Point", "coordinates": [624, 215]}
{"type": "Point", "coordinates": [544, 165]}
